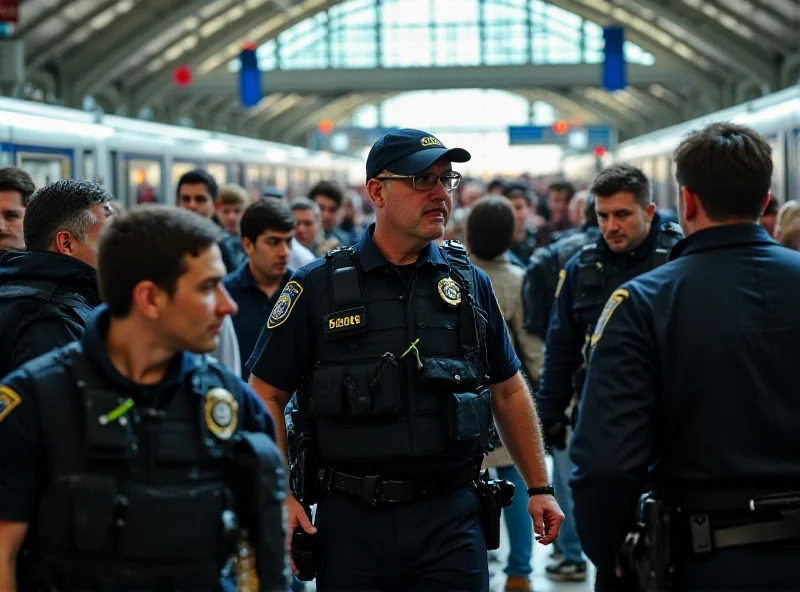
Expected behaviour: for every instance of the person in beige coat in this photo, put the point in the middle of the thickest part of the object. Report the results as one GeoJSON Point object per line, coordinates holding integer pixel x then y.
{"type": "Point", "coordinates": [489, 233]}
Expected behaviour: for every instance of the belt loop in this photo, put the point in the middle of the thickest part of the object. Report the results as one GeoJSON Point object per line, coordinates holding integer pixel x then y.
{"type": "Point", "coordinates": [371, 491]}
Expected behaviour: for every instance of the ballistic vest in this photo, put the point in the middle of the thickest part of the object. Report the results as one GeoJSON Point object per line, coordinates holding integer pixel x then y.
{"type": "Point", "coordinates": [398, 375]}
{"type": "Point", "coordinates": [143, 500]}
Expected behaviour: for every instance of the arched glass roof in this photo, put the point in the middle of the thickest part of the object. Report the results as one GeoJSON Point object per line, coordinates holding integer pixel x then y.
{"type": "Point", "coordinates": [428, 33]}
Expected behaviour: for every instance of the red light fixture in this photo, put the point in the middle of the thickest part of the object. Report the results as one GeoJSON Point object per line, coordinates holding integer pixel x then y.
{"type": "Point", "coordinates": [182, 76]}
{"type": "Point", "coordinates": [600, 151]}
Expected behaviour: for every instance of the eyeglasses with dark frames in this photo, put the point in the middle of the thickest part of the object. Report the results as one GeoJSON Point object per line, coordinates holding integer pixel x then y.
{"type": "Point", "coordinates": [427, 181]}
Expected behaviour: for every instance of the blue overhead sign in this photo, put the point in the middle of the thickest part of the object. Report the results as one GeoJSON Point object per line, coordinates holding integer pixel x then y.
{"type": "Point", "coordinates": [579, 137]}
{"type": "Point", "coordinates": [615, 70]}
{"type": "Point", "coordinates": [249, 78]}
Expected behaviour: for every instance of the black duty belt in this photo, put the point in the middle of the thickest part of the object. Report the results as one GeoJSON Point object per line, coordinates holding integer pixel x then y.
{"type": "Point", "coordinates": [704, 537]}
{"type": "Point", "coordinates": [372, 489]}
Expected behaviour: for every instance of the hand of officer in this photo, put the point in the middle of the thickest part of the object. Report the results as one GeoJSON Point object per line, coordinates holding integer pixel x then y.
{"type": "Point", "coordinates": [547, 518]}
{"type": "Point", "coordinates": [555, 434]}
{"type": "Point", "coordinates": [296, 516]}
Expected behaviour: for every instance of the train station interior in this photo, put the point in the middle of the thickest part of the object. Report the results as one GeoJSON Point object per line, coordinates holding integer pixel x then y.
{"type": "Point", "coordinates": [276, 96]}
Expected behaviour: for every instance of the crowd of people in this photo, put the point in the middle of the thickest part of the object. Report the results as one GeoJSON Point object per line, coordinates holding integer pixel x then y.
{"type": "Point", "coordinates": [408, 351]}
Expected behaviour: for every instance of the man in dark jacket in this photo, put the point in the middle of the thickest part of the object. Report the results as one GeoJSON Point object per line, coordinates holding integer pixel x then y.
{"type": "Point", "coordinates": [47, 291]}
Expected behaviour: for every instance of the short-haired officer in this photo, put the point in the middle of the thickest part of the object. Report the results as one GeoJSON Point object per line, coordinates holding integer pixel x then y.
{"type": "Point", "coordinates": [129, 463]}
{"type": "Point", "coordinates": [633, 240]}
{"type": "Point", "coordinates": [398, 349]}
{"type": "Point", "coordinates": [692, 389]}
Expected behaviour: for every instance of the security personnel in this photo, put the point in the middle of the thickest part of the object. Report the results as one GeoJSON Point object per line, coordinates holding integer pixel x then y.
{"type": "Point", "coordinates": [129, 463]}
{"type": "Point", "coordinates": [633, 241]}
{"type": "Point", "coordinates": [398, 348]}
{"type": "Point", "coordinates": [692, 386]}
{"type": "Point", "coordinates": [542, 274]}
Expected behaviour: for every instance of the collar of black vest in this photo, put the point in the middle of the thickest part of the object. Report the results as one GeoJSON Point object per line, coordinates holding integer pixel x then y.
{"type": "Point", "coordinates": [95, 349]}
{"type": "Point", "coordinates": [719, 237]}
{"type": "Point", "coordinates": [371, 257]}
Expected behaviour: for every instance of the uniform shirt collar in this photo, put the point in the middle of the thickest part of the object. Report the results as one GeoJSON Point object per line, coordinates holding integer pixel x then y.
{"type": "Point", "coordinates": [93, 342]}
{"type": "Point", "coordinates": [726, 235]}
{"type": "Point", "coordinates": [371, 257]}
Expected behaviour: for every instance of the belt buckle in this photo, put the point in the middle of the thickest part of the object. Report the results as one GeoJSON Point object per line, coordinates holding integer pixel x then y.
{"type": "Point", "coordinates": [371, 492]}
{"type": "Point", "coordinates": [325, 479]}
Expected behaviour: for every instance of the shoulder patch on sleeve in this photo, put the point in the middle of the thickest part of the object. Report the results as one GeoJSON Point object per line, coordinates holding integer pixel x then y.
{"type": "Point", "coordinates": [617, 298]}
{"type": "Point", "coordinates": [562, 275]}
{"type": "Point", "coordinates": [284, 305]}
{"type": "Point", "coordinates": [8, 400]}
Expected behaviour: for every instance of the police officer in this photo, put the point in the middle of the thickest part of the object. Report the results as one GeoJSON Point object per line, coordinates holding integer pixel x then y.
{"type": "Point", "coordinates": [542, 273]}
{"type": "Point", "coordinates": [398, 349]}
{"type": "Point", "coordinates": [129, 463]}
{"type": "Point", "coordinates": [633, 241]}
{"type": "Point", "coordinates": [692, 386]}
{"type": "Point", "coordinates": [48, 291]}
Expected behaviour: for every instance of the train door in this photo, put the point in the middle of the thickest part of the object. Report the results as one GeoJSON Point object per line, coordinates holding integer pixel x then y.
{"type": "Point", "coordinates": [45, 165]}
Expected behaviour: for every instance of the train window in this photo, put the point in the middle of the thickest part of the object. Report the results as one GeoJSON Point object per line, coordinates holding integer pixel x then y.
{"type": "Point", "coordinates": [143, 180]}
{"type": "Point", "coordinates": [235, 173]}
{"type": "Point", "coordinates": [45, 168]}
{"type": "Point", "coordinates": [252, 181]}
{"type": "Point", "coordinates": [179, 169]}
{"type": "Point", "coordinates": [219, 171]}
{"type": "Point", "coordinates": [281, 176]}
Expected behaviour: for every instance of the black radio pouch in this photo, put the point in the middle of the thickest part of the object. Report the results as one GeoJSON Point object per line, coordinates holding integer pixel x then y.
{"type": "Point", "coordinates": [494, 496]}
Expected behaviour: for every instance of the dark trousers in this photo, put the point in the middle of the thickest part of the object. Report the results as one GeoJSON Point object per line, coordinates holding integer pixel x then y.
{"type": "Point", "coordinates": [434, 544]}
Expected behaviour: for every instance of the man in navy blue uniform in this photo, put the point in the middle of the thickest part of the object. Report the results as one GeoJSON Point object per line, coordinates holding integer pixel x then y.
{"type": "Point", "coordinates": [691, 391]}
{"type": "Point", "coordinates": [632, 241]}
{"type": "Point", "coordinates": [398, 350]}
{"type": "Point", "coordinates": [267, 231]}
{"type": "Point", "coordinates": [129, 463]}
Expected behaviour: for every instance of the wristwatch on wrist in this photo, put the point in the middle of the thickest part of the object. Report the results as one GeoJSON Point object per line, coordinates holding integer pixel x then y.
{"type": "Point", "coordinates": [541, 491]}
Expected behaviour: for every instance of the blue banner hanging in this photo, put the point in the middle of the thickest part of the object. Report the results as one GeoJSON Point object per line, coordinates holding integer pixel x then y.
{"type": "Point", "coordinates": [615, 75]}
{"type": "Point", "coordinates": [249, 78]}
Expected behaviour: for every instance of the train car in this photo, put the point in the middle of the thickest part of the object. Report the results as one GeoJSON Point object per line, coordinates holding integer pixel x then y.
{"type": "Point", "coordinates": [776, 116]}
{"type": "Point", "coordinates": [141, 161]}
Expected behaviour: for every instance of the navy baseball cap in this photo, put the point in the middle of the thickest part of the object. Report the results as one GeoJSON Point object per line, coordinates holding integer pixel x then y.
{"type": "Point", "coordinates": [408, 152]}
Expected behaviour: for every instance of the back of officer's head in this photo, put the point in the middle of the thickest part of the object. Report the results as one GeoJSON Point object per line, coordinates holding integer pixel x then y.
{"type": "Point", "coordinates": [490, 227]}
{"type": "Point", "coordinates": [62, 217]}
{"type": "Point", "coordinates": [728, 167]}
{"type": "Point", "coordinates": [149, 245]}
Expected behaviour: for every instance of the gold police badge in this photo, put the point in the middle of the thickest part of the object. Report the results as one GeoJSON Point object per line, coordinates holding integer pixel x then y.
{"type": "Point", "coordinates": [450, 291]}
{"type": "Point", "coordinates": [617, 298]}
{"type": "Point", "coordinates": [222, 413]}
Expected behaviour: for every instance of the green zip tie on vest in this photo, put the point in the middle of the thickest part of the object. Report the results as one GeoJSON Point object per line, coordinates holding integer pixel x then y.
{"type": "Point", "coordinates": [413, 347]}
{"type": "Point", "coordinates": [115, 414]}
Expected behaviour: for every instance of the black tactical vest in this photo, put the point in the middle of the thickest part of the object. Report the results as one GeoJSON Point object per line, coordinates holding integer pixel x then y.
{"type": "Point", "coordinates": [142, 502]}
{"type": "Point", "coordinates": [375, 397]}
{"type": "Point", "coordinates": [597, 279]}
{"type": "Point", "coordinates": [542, 277]}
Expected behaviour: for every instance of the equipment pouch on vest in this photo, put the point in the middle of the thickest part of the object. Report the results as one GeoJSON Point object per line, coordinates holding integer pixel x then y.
{"type": "Point", "coordinates": [462, 416]}
{"type": "Point", "coordinates": [188, 523]}
{"type": "Point", "coordinates": [371, 388]}
{"type": "Point", "coordinates": [108, 439]}
{"type": "Point", "coordinates": [448, 374]}
{"type": "Point", "coordinates": [80, 512]}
